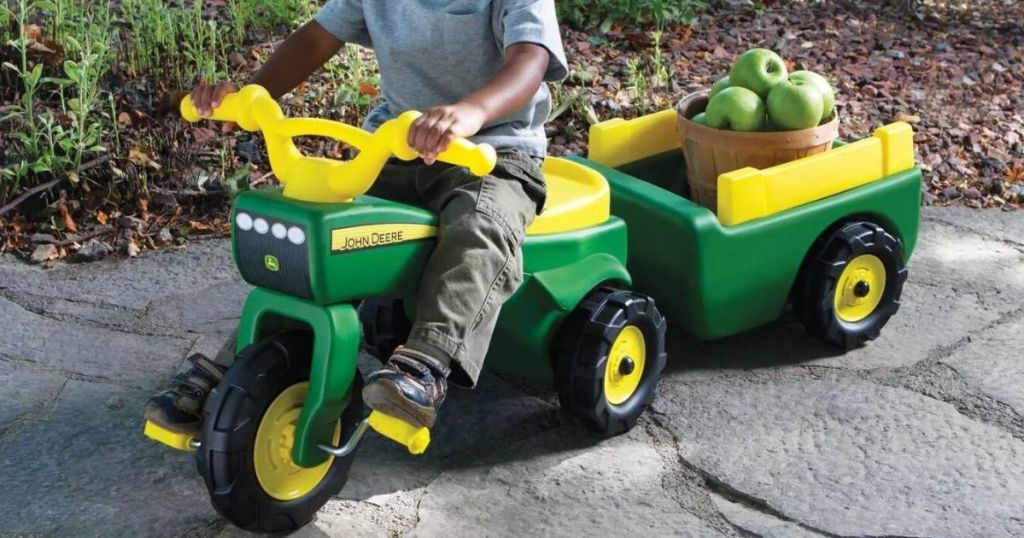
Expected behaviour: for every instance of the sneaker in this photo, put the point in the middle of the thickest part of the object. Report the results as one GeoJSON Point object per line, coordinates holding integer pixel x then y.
{"type": "Point", "coordinates": [411, 387]}
{"type": "Point", "coordinates": [180, 407]}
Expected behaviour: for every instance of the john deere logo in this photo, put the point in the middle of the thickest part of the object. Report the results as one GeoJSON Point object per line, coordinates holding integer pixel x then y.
{"type": "Point", "coordinates": [378, 235]}
{"type": "Point", "coordinates": [271, 263]}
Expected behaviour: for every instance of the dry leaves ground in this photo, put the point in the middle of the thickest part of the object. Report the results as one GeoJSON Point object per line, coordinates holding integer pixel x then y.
{"type": "Point", "coordinates": [956, 74]}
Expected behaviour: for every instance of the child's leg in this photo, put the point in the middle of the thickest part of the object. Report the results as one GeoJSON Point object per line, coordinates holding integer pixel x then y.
{"type": "Point", "coordinates": [475, 267]}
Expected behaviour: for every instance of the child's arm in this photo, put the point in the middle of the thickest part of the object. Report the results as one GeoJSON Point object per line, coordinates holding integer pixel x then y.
{"type": "Point", "coordinates": [305, 51]}
{"type": "Point", "coordinates": [515, 84]}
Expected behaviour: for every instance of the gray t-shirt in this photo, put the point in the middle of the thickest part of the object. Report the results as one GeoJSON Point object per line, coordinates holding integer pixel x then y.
{"type": "Point", "coordinates": [435, 52]}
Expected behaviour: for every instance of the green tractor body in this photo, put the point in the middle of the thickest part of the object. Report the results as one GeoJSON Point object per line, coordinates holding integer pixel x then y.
{"type": "Point", "coordinates": [312, 262]}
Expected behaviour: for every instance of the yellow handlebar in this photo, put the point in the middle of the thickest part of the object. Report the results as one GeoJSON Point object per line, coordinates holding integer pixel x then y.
{"type": "Point", "coordinates": [304, 177]}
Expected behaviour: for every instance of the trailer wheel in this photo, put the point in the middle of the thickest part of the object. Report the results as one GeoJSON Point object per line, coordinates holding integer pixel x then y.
{"type": "Point", "coordinates": [249, 424]}
{"type": "Point", "coordinates": [610, 356]}
{"type": "Point", "coordinates": [851, 285]}
{"type": "Point", "coordinates": [385, 326]}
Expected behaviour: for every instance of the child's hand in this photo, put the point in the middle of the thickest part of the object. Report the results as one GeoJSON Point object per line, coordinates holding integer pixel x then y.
{"type": "Point", "coordinates": [207, 97]}
{"type": "Point", "coordinates": [431, 133]}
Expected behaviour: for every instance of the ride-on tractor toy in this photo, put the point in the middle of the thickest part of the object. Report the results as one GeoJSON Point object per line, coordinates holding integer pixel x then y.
{"type": "Point", "coordinates": [333, 270]}
{"type": "Point", "coordinates": [281, 429]}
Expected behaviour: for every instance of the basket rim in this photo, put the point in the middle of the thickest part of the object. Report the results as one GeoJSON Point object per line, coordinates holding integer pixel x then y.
{"type": "Point", "coordinates": [800, 138]}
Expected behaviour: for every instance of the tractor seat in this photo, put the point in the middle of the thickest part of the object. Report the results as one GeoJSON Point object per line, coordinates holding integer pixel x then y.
{"type": "Point", "coordinates": [578, 198]}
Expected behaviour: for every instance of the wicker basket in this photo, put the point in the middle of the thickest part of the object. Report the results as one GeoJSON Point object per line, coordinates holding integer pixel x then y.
{"type": "Point", "coordinates": [710, 152]}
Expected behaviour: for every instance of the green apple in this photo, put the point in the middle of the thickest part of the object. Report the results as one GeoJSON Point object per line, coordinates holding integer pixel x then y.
{"type": "Point", "coordinates": [738, 109]}
{"type": "Point", "coordinates": [722, 84]}
{"type": "Point", "coordinates": [795, 105]}
{"type": "Point", "coordinates": [700, 119]}
{"type": "Point", "coordinates": [821, 83]}
{"type": "Point", "coordinates": [758, 70]}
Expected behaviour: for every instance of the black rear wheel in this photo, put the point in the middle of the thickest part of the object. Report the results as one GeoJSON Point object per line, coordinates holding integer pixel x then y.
{"type": "Point", "coordinates": [610, 356]}
{"type": "Point", "coordinates": [851, 284]}
{"type": "Point", "coordinates": [248, 432]}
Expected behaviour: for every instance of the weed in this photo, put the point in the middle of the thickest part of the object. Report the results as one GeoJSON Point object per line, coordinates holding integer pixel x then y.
{"type": "Point", "coordinates": [660, 75]}
{"type": "Point", "coordinates": [638, 85]}
{"type": "Point", "coordinates": [582, 13]}
{"type": "Point", "coordinates": [357, 81]}
{"type": "Point", "coordinates": [163, 43]}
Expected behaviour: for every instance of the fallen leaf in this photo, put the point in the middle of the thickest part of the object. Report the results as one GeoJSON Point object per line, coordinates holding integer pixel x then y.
{"type": "Point", "coordinates": [141, 158]}
{"type": "Point", "coordinates": [44, 253]}
{"type": "Point", "coordinates": [236, 60]}
{"type": "Point", "coordinates": [368, 89]}
{"type": "Point", "coordinates": [131, 248]}
{"type": "Point", "coordinates": [33, 32]}
{"type": "Point", "coordinates": [69, 223]}
{"type": "Point", "coordinates": [102, 217]}
{"type": "Point", "coordinates": [38, 47]}
{"type": "Point", "coordinates": [909, 118]}
{"type": "Point", "coordinates": [203, 227]}
{"type": "Point", "coordinates": [202, 135]}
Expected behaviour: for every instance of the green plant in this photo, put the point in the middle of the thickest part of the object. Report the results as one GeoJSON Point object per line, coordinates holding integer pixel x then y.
{"type": "Point", "coordinates": [201, 44]}
{"type": "Point", "coordinates": [31, 80]}
{"type": "Point", "coordinates": [6, 23]}
{"type": "Point", "coordinates": [87, 129]}
{"type": "Point", "coordinates": [660, 75]}
{"type": "Point", "coordinates": [584, 13]}
{"type": "Point", "coordinates": [357, 81]}
{"type": "Point", "coordinates": [46, 144]}
{"type": "Point", "coordinates": [243, 17]}
{"type": "Point", "coordinates": [63, 113]}
{"type": "Point", "coordinates": [572, 100]}
{"type": "Point", "coordinates": [638, 86]}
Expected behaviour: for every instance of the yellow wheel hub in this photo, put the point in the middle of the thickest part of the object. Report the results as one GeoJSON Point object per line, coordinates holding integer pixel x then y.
{"type": "Point", "coordinates": [860, 288]}
{"type": "Point", "coordinates": [279, 476]}
{"type": "Point", "coordinates": [625, 366]}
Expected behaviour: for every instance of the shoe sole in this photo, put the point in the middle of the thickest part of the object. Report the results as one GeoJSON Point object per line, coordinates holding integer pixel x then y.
{"type": "Point", "coordinates": [386, 398]}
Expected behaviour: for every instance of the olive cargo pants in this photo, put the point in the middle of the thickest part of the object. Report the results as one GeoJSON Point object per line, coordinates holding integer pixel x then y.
{"type": "Point", "coordinates": [478, 261]}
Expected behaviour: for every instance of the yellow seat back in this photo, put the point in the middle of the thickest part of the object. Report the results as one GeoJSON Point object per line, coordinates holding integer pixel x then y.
{"type": "Point", "coordinates": [578, 197]}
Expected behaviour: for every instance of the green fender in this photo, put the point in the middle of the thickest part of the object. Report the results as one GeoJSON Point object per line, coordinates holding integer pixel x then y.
{"type": "Point", "coordinates": [335, 357]}
{"type": "Point", "coordinates": [530, 320]}
{"type": "Point", "coordinates": [568, 285]}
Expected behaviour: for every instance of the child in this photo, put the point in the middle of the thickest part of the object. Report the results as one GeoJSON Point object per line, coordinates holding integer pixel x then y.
{"type": "Point", "coordinates": [476, 68]}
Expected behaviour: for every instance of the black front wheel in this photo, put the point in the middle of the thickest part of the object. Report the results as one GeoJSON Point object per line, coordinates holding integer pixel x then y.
{"type": "Point", "coordinates": [610, 357]}
{"type": "Point", "coordinates": [851, 284]}
{"type": "Point", "coordinates": [248, 432]}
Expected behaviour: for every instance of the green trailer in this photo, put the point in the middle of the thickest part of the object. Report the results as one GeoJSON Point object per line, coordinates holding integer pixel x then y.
{"type": "Point", "coordinates": [828, 234]}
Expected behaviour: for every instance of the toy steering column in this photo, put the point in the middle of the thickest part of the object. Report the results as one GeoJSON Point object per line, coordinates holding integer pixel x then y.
{"type": "Point", "coordinates": [317, 179]}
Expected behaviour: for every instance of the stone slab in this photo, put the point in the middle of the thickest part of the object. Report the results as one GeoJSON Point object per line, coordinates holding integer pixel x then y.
{"type": "Point", "coordinates": [848, 457]}
{"type": "Point", "coordinates": [993, 362]}
{"type": "Point", "coordinates": [25, 392]}
{"type": "Point", "coordinates": [85, 469]}
{"type": "Point", "coordinates": [555, 487]}
{"type": "Point", "coordinates": [96, 353]}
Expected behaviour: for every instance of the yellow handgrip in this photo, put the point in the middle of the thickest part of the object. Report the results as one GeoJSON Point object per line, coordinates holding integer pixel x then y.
{"type": "Point", "coordinates": [479, 158]}
{"type": "Point", "coordinates": [415, 439]}
{"type": "Point", "coordinates": [316, 179]}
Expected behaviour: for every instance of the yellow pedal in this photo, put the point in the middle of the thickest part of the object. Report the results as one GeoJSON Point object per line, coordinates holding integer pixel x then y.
{"type": "Point", "coordinates": [177, 441]}
{"type": "Point", "coordinates": [413, 438]}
